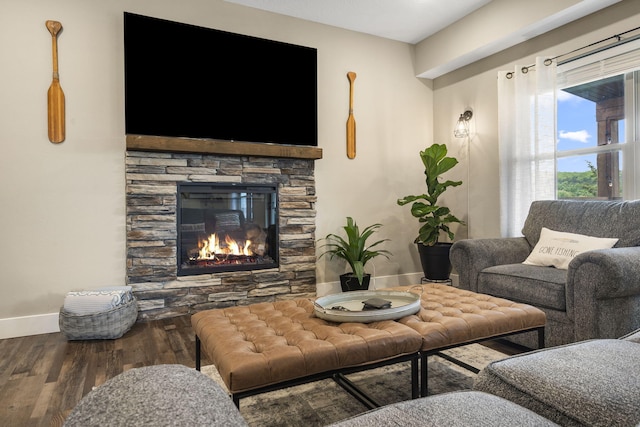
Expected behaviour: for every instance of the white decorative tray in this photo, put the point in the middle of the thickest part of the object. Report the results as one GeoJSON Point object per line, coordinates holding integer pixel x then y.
{"type": "Point", "coordinates": [348, 306]}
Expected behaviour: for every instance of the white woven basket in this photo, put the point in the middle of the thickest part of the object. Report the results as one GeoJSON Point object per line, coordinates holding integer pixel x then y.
{"type": "Point", "coordinates": [108, 324]}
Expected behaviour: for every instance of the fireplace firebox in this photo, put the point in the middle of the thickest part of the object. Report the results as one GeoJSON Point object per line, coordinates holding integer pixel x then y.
{"type": "Point", "coordinates": [226, 227]}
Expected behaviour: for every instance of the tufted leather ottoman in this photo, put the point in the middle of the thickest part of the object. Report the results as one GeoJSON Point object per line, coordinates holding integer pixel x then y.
{"type": "Point", "coordinates": [450, 317]}
{"type": "Point", "coordinates": [267, 344]}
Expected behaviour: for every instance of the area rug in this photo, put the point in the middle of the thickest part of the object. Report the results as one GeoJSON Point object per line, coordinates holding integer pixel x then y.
{"type": "Point", "coordinates": [323, 402]}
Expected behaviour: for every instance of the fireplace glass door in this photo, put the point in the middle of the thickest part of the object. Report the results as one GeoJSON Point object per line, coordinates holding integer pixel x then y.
{"type": "Point", "coordinates": [226, 227]}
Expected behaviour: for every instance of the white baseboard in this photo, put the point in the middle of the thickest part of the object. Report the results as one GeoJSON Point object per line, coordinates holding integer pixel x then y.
{"type": "Point", "coordinates": [29, 325]}
{"type": "Point", "coordinates": [379, 282]}
{"type": "Point", "coordinates": [455, 280]}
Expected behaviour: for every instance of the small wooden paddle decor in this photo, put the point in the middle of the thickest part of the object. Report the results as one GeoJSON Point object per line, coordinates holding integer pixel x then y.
{"type": "Point", "coordinates": [351, 121]}
{"type": "Point", "coordinates": [55, 96]}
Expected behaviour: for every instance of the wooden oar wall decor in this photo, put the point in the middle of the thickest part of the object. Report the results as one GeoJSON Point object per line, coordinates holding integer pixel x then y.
{"type": "Point", "coordinates": [351, 121]}
{"type": "Point", "coordinates": [55, 95]}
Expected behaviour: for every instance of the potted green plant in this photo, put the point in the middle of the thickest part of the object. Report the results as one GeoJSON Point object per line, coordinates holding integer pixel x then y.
{"type": "Point", "coordinates": [434, 255]}
{"type": "Point", "coordinates": [355, 251]}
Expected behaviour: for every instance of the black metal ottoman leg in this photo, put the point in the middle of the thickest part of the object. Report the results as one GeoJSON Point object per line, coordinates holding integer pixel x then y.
{"type": "Point", "coordinates": [197, 353]}
{"type": "Point", "coordinates": [424, 376]}
{"type": "Point", "coordinates": [415, 377]}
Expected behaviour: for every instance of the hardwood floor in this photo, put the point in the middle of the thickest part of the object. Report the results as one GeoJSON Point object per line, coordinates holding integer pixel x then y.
{"type": "Point", "coordinates": [43, 377]}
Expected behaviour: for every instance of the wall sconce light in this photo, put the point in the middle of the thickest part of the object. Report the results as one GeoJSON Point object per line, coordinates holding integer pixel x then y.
{"type": "Point", "coordinates": [462, 126]}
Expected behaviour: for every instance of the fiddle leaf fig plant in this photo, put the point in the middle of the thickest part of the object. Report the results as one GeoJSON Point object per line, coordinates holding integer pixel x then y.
{"type": "Point", "coordinates": [354, 248]}
{"type": "Point", "coordinates": [433, 218]}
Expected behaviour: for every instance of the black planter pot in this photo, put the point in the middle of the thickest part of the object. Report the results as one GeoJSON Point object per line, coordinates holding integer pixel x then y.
{"type": "Point", "coordinates": [435, 261]}
{"type": "Point", "coordinates": [349, 282]}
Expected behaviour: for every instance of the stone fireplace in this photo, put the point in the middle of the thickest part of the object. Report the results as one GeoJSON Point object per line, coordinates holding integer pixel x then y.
{"type": "Point", "coordinates": [153, 180]}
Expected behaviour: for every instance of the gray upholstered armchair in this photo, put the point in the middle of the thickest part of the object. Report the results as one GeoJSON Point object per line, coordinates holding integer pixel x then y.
{"type": "Point", "coordinates": [597, 296]}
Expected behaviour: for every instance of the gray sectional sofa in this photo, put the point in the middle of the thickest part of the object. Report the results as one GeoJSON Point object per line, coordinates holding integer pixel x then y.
{"type": "Point", "coordinates": [596, 296]}
{"type": "Point", "coordinates": [591, 383]}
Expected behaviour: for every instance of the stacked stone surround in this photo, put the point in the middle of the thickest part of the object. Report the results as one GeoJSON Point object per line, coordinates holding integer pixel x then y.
{"type": "Point", "coordinates": [151, 197]}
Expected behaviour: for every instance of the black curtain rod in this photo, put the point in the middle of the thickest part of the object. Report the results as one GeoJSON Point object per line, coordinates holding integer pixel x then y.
{"type": "Point", "coordinates": [618, 41]}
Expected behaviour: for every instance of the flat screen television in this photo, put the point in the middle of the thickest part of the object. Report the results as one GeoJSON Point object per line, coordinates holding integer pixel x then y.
{"type": "Point", "coordinates": [183, 80]}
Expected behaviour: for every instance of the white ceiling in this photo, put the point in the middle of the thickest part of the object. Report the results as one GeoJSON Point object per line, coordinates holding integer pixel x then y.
{"type": "Point", "coordinates": [412, 21]}
{"type": "Point", "coordinates": [409, 21]}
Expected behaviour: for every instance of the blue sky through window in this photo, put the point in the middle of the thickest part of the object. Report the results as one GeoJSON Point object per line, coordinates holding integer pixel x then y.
{"type": "Point", "coordinates": [577, 129]}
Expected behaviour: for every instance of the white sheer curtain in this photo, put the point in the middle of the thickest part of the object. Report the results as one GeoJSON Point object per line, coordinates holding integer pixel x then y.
{"type": "Point", "coordinates": [527, 137]}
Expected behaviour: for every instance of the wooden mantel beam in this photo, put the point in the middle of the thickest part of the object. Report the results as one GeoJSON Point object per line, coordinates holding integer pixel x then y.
{"type": "Point", "coordinates": [213, 146]}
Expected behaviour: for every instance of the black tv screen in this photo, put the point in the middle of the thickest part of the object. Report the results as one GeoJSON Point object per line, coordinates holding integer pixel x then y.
{"type": "Point", "coordinates": [188, 81]}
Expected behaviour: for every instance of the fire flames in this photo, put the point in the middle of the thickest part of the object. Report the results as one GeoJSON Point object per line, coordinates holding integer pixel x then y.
{"type": "Point", "coordinates": [228, 250]}
{"type": "Point", "coordinates": [211, 247]}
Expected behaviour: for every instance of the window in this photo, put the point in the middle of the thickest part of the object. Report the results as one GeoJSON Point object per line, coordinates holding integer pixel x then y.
{"type": "Point", "coordinates": [597, 136]}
